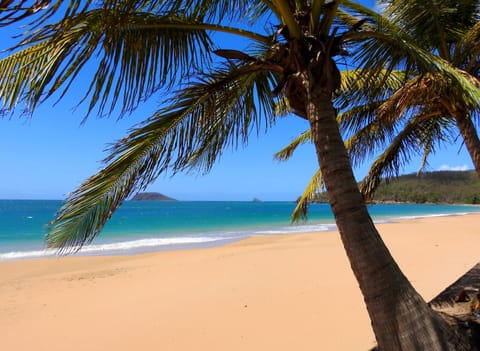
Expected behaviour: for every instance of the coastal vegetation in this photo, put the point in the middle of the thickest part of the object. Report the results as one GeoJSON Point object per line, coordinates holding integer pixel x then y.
{"type": "Point", "coordinates": [217, 97]}
{"type": "Point", "coordinates": [441, 187]}
{"type": "Point", "coordinates": [447, 187]}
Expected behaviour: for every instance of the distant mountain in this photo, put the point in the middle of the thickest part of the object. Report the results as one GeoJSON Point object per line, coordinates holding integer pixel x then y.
{"type": "Point", "coordinates": [151, 197]}
{"type": "Point", "coordinates": [448, 187]}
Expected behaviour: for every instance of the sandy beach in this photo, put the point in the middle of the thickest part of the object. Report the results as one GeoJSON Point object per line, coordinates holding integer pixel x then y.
{"type": "Point", "coordinates": [284, 292]}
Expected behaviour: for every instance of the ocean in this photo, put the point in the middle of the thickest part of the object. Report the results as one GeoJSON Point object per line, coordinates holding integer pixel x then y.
{"type": "Point", "coordinates": [143, 226]}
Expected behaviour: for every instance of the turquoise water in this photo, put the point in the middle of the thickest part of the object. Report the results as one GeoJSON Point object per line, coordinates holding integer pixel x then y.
{"type": "Point", "coordinates": [149, 226]}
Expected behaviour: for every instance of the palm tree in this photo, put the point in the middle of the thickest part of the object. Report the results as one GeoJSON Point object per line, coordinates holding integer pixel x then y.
{"type": "Point", "coordinates": [148, 47]}
{"type": "Point", "coordinates": [428, 106]}
{"type": "Point", "coordinates": [367, 132]}
{"type": "Point", "coordinates": [413, 116]}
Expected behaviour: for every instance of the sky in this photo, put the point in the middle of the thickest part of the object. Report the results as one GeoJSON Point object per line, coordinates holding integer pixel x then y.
{"type": "Point", "coordinates": [48, 155]}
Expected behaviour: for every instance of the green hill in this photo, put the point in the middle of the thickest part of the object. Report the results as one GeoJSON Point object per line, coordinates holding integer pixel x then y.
{"type": "Point", "coordinates": [432, 187]}
{"type": "Point", "coordinates": [151, 197]}
{"type": "Point", "coordinates": [450, 187]}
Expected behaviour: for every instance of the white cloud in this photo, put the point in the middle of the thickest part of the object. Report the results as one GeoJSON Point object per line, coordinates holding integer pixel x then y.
{"type": "Point", "coordinates": [446, 167]}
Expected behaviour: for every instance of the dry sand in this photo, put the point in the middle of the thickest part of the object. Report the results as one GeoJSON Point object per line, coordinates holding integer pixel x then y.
{"type": "Point", "coordinates": [291, 292]}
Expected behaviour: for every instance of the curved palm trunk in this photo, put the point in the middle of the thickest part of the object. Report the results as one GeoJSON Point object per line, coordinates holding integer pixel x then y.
{"type": "Point", "coordinates": [470, 137]}
{"type": "Point", "coordinates": [401, 319]}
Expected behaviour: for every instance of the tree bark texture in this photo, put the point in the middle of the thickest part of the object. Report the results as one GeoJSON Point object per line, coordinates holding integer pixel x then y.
{"type": "Point", "coordinates": [401, 319]}
{"type": "Point", "coordinates": [470, 137]}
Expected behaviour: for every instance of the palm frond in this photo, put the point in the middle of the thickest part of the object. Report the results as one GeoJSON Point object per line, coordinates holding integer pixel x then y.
{"type": "Point", "coordinates": [287, 151]}
{"type": "Point", "coordinates": [240, 108]}
{"type": "Point", "coordinates": [418, 136]}
{"type": "Point", "coordinates": [314, 186]}
{"type": "Point", "coordinates": [36, 11]}
{"type": "Point", "coordinates": [282, 107]}
{"type": "Point", "coordinates": [369, 138]}
{"type": "Point", "coordinates": [434, 24]}
{"type": "Point", "coordinates": [360, 96]}
{"type": "Point", "coordinates": [359, 87]}
{"type": "Point", "coordinates": [138, 52]}
{"type": "Point", "coordinates": [317, 6]}
{"type": "Point", "coordinates": [199, 123]}
{"type": "Point", "coordinates": [259, 9]}
{"type": "Point", "coordinates": [415, 93]}
{"type": "Point", "coordinates": [467, 51]}
{"type": "Point", "coordinates": [385, 45]}
{"type": "Point", "coordinates": [211, 11]}
{"type": "Point", "coordinates": [286, 12]}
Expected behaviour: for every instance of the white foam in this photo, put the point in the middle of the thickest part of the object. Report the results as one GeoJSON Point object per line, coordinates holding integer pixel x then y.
{"type": "Point", "coordinates": [118, 246]}
{"type": "Point", "coordinates": [153, 242]}
{"type": "Point", "coordinates": [433, 215]}
{"type": "Point", "coordinates": [26, 254]}
{"type": "Point", "coordinates": [298, 229]}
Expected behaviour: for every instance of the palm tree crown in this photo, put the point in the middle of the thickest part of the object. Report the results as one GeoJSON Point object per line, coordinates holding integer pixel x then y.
{"type": "Point", "coordinates": [421, 109]}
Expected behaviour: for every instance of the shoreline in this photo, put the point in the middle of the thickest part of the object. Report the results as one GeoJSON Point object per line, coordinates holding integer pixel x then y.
{"type": "Point", "coordinates": [142, 245]}
{"type": "Point", "coordinates": [277, 292]}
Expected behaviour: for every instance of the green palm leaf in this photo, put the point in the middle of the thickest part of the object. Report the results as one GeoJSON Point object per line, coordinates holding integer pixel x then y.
{"type": "Point", "coordinates": [287, 151]}
{"type": "Point", "coordinates": [467, 51]}
{"type": "Point", "coordinates": [38, 11]}
{"type": "Point", "coordinates": [385, 45]}
{"type": "Point", "coordinates": [139, 53]}
{"type": "Point", "coordinates": [205, 118]}
{"type": "Point", "coordinates": [418, 136]}
{"type": "Point", "coordinates": [433, 24]}
{"type": "Point", "coordinates": [362, 88]}
{"type": "Point", "coordinates": [313, 187]}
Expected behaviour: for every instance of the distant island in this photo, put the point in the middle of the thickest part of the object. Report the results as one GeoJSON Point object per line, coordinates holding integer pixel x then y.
{"type": "Point", "coordinates": [151, 196]}
{"type": "Point", "coordinates": [440, 187]}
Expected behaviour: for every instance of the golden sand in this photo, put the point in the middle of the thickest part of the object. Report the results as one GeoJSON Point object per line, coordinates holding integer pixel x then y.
{"type": "Point", "coordinates": [284, 292]}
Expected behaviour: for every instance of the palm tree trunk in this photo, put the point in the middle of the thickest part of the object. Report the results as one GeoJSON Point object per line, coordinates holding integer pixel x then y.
{"type": "Point", "coordinates": [401, 319]}
{"type": "Point", "coordinates": [470, 137]}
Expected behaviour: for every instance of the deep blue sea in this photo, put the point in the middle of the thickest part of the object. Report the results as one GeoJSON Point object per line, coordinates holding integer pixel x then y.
{"type": "Point", "coordinates": [151, 226]}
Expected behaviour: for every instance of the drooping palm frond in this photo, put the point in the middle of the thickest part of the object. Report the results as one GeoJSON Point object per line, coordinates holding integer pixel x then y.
{"type": "Point", "coordinates": [313, 187]}
{"type": "Point", "coordinates": [431, 91]}
{"type": "Point", "coordinates": [419, 136]}
{"type": "Point", "coordinates": [287, 151]}
{"type": "Point", "coordinates": [467, 52]}
{"type": "Point", "coordinates": [240, 108]}
{"type": "Point", "coordinates": [211, 11]}
{"type": "Point", "coordinates": [433, 24]}
{"type": "Point", "coordinates": [370, 137]}
{"type": "Point", "coordinates": [282, 107]}
{"type": "Point", "coordinates": [205, 118]}
{"type": "Point", "coordinates": [15, 11]}
{"type": "Point", "coordinates": [139, 53]}
{"type": "Point", "coordinates": [360, 97]}
{"type": "Point", "coordinates": [361, 94]}
{"type": "Point", "coordinates": [36, 11]}
{"type": "Point", "coordinates": [359, 87]}
{"type": "Point", "coordinates": [387, 46]}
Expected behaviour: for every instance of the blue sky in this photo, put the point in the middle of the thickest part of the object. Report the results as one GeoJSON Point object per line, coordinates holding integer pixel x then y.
{"type": "Point", "coordinates": [49, 155]}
